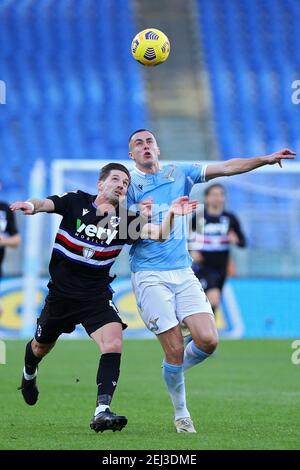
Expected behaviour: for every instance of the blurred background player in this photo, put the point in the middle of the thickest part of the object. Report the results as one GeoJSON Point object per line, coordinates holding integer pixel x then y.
{"type": "Point", "coordinates": [9, 235]}
{"type": "Point", "coordinates": [92, 233]}
{"type": "Point", "coordinates": [211, 240]}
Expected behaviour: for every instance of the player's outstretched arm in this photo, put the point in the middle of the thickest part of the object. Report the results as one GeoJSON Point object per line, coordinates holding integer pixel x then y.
{"type": "Point", "coordinates": [33, 206]}
{"type": "Point", "coordinates": [181, 206]}
{"type": "Point", "coordinates": [236, 166]}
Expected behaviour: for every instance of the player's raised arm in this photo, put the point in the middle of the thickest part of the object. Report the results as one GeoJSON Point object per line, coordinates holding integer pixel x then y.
{"type": "Point", "coordinates": [236, 166]}
{"type": "Point", "coordinates": [181, 206]}
{"type": "Point", "coordinates": [33, 206]}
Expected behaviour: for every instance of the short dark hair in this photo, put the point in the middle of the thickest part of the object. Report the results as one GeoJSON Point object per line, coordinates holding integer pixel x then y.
{"type": "Point", "coordinates": [212, 186]}
{"type": "Point", "coordinates": [105, 171]}
{"type": "Point", "coordinates": [139, 130]}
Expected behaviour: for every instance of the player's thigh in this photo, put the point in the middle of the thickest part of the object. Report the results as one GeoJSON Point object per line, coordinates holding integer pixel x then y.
{"type": "Point", "coordinates": [203, 329]}
{"type": "Point", "coordinates": [156, 303]}
{"type": "Point", "coordinates": [101, 321]}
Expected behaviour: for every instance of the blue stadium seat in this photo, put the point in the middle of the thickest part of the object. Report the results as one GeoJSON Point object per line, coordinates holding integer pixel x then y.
{"type": "Point", "coordinates": [251, 58]}
{"type": "Point", "coordinates": [73, 89]}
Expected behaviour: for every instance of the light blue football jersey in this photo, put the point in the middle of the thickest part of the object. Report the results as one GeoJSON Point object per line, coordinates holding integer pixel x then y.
{"type": "Point", "coordinates": [170, 183]}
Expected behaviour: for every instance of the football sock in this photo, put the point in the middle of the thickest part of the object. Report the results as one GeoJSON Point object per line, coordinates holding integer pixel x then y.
{"type": "Point", "coordinates": [31, 362]}
{"type": "Point", "coordinates": [193, 355]}
{"type": "Point", "coordinates": [174, 378]}
{"type": "Point", "coordinates": [107, 379]}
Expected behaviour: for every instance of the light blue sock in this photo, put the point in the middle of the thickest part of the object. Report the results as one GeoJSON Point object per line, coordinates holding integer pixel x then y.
{"type": "Point", "coordinates": [193, 356]}
{"type": "Point", "coordinates": [174, 378]}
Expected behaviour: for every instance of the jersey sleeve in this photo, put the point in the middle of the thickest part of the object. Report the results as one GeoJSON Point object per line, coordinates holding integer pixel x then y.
{"type": "Point", "coordinates": [236, 227]}
{"type": "Point", "coordinates": [11, 228]}
{"type": "Point", "coordinates": [195, 171]}
{"type": "Point", "coordinates": [62, 202]}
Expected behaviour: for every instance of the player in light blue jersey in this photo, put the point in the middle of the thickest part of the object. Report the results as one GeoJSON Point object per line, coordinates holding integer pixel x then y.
{"type": "Point", "coordinates": [168, 293]}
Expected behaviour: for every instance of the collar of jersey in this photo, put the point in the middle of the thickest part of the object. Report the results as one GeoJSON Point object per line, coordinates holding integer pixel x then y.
{"type": "Point", "coordinates": [141, 173]}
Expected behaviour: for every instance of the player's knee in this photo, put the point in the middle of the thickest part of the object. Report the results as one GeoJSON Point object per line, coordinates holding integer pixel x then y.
{"type": "Point", "coordinates": [208, 343]}
{"type": "Point", "coordinates": [174, 355]}
{"type": "Point", "coordinates": [40, 350]}
{"type": "Point", "coordinates": [112, 346]}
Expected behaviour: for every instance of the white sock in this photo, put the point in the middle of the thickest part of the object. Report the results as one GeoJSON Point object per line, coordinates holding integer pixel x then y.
{"type": "Point", "coordinates": [174, 378]}
{"type": "Point", "coordinates": [100, 408]}
{"type": "Point", "coordinates": [193, 356]}
{"type": "Point", "coordinates": [29, 376]}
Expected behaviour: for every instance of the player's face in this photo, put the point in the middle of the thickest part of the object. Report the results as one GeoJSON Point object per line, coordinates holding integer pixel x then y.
{"type": "Point", "coordinates": [144, 150]}
{"type": "Point", "coordinates": [114, 187]}
{"type": "Point", "coordinates": [215, 198]}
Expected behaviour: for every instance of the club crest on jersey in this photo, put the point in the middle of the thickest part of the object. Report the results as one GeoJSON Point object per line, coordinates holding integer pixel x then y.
{"type": "Point", "coordinates": [169, 175]}
{"type": "Point", "coordinates": [114, 221]}
{"type": "Point", "coordinates": [88, 252]}
{"type": "Point", "coordinates": [153, 326]}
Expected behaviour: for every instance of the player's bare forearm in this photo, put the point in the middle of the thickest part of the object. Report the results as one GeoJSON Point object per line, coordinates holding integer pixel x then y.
{"type": "Point", "coordinates": [181, 206]}
{"type": "Point", "coordinates": [159, 232]}
{"type": "Point", "coordinates": [33, 206]}
{"type": "Point", "coordinates": [42, 205]}
{"type": "Point", "coordinates": [236, 166]}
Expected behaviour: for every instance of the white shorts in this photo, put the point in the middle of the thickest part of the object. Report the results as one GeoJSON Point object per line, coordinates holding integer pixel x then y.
{"type": "Point", "coordinates": [165, 298]}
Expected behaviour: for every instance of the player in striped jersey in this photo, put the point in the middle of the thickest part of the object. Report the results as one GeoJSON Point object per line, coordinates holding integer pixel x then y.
{"type": "Point", "coordinates": [210, 250]}
{"type": "Point", "coordinates": [92, 232]}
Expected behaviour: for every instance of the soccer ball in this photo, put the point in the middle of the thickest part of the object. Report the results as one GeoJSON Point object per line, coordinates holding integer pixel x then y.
{"type": "Point", "coordinates": [150, 47]}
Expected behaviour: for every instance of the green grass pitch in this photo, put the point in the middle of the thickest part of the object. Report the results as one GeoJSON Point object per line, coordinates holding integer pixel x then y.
{"type": "Point", "coordinates": [246, 397]}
